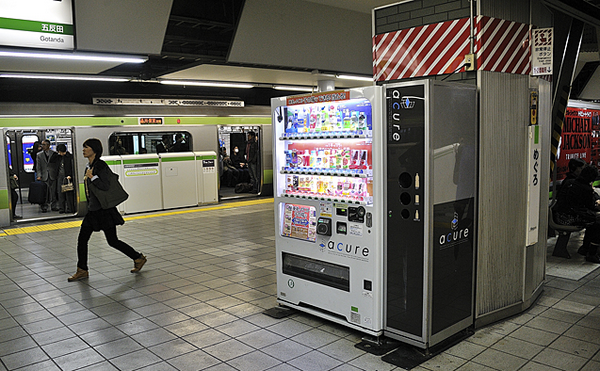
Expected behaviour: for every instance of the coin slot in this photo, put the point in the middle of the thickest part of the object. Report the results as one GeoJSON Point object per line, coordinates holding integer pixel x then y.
{"type": "Point", "coordinates": [405, 198]}
{"type": "Point", "coordinates": [405, 180]}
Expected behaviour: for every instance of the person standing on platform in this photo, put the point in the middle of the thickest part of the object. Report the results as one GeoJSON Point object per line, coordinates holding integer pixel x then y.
{"type": "Point", "coordinates": [46, 172]}
{"type": "Point", "coordinates": [98, 174]}
{"type": "Point", "coordinates": [252, 160]}
{"type": "Point", "coordinates": [65, 171]}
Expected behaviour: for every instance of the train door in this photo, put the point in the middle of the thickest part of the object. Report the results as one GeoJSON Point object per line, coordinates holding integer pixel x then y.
{"type": "Point", "coordinates": [21, 161]}
{"type": "Point", "coordinates": [233, 166]}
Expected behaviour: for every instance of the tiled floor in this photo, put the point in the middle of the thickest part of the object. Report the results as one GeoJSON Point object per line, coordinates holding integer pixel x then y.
{"type": "Point", "coordinates": [197, 305]}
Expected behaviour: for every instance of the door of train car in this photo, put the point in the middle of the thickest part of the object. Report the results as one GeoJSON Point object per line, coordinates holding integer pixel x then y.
{"type": "Point", "coordinates": [21, 162]}
{"type": "Point", "coordinates": [234, 174]}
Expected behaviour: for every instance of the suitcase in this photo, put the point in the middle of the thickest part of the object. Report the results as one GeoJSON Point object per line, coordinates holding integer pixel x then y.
{"type": "Point", "coordinates": [37, 193]}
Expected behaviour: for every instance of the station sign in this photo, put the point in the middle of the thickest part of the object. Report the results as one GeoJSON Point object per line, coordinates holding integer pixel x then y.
{"type": "Point", "coordinates": [46, 24]}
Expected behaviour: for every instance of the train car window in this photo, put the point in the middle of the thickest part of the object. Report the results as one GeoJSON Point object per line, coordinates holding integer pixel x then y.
{"type": "Point", "coordinates": [150, 142]}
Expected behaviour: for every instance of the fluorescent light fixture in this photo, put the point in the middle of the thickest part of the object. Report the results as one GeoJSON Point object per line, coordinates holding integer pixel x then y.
{"type": "Point", "coordinates": [75, 57]}
{"type": "Point", "coordinates": [293, 88]}
{"type": "Point", "coordinates": [358, 78]}
{"type": "Point", "coordinates": [65, 77]}
{"type": "Point", "coordinates": [207, 83]}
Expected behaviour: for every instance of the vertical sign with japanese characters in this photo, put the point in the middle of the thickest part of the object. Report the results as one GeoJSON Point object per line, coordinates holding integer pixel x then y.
{"type": "Point", "coordinates": [44, 24]}
{"type": "Point", "coordinates": [541, 51]}
{"type": "Point", "coordinates": [534, 164]}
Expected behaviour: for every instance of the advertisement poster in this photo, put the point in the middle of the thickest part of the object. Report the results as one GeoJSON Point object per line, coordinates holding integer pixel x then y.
{"type": "Point", "coordinates": [300, 222]}
{"type": "Point", "coordinates": [579, 139]}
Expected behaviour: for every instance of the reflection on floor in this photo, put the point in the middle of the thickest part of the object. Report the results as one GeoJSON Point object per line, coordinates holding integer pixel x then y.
{"type": "Point", "coordinates": [573, 269]}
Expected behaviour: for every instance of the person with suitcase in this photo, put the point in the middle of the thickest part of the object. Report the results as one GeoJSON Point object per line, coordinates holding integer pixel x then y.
{"type": "Point", "coordinates": [46, 172]}
{"type": "Point", "coordinates": [98, 174]}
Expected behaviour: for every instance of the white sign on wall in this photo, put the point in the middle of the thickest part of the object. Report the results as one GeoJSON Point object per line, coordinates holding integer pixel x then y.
{"type": "Point", "coordinates": [541, 51]}
{"type": "Point", "coordinates": [44, 24]}
{"type": "Point", "coordinates": [534, 165]}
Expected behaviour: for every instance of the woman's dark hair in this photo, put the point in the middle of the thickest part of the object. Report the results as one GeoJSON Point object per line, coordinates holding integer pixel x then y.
{"type": "Point", "coordinates": [588, 174]}
{"type": "Point", "coordinates": [95, 145]}
{"type": "Point", "coordinates": [61, 148]}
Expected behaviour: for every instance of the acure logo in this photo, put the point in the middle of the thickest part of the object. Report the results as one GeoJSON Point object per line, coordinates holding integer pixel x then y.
{"type": "Point", "coordinates": [455, 235]}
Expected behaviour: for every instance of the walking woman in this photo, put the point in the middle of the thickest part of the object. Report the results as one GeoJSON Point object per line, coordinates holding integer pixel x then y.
{"type": "Point", "coordinates": [97, 174]}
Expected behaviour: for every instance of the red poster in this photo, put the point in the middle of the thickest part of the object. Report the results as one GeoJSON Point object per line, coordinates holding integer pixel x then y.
{"type": "Point", "coordinates": [579, 139]}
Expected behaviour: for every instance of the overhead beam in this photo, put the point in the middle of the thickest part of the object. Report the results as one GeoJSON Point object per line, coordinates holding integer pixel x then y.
{"type": "Point", "coordinates": [578, 9]}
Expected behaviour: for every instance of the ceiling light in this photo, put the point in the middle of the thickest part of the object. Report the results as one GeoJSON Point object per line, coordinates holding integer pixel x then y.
{"type": "Point", "coordinates": [293, 88]}
{"type": "Point", "coordinates": [351, 77]}
{"type": "Point", "coordinates": [207, 83]}
{"type": "Point", "coordinates": [66, 77]}
{"type": "Point", "coordinates": [75, 57]}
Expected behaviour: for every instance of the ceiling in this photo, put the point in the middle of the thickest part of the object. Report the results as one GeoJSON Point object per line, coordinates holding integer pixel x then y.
{"type": "Point", "coordinates": [198, 43]}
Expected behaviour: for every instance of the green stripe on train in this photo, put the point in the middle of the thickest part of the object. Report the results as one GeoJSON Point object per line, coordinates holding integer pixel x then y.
{"type": "Point", "coordinates": [175, 159]}
{"type": "Point", "coordinates": [3, 199]}
{"type": "Point", "coordinates": [212, 157]}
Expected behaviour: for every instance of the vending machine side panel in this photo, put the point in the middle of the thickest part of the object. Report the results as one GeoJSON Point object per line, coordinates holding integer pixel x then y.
{"type": "Point", "coordinates": [406, 109]}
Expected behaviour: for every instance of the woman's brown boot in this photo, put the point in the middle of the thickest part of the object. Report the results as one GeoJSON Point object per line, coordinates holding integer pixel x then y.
{"type": "Point", "coordinates": [78, 275]}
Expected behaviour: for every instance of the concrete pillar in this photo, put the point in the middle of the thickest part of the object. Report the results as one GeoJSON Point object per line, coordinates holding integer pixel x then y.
{"type": "Point", "coordinates": [431, 39]}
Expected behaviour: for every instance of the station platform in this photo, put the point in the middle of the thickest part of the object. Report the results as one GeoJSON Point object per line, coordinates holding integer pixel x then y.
{"type": "Point", "coordinates": [198, 305]}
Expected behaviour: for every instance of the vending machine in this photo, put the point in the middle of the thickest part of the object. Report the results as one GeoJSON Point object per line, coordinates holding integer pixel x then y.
{"type": "Point", "coordinates": [375, 207]}
{"type": "Point", "coordinates": [328, 182]}
{"type": "Point", "coordinates": [431, 196]}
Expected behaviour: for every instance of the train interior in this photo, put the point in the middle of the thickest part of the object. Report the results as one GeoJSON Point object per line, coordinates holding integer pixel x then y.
{"type": "Point", "coordinates": [19, 154]}
{"type": "Point", "coordinates": [19, 147]}
{"type": "Point", "coordinates": [231, 138]}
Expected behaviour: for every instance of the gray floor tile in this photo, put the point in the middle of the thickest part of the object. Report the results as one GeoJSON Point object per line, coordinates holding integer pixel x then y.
{"type": "Point", "coordinates": [560, 360]}
{"type": "Point", "coordinates": [24, 358]}
{"type": "Point", "coordinates": [193, 361]}
{"type": "Point", "coordinates": [286, 350]}
{"type": "Point", "coordinates": [135, 360]}
{"type": "Point", "coordinates": [228, 350]}
{"type": "Point", "coordinates": [172, 349]}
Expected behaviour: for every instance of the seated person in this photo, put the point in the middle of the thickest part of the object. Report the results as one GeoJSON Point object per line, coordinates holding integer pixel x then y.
{"type": "Point", "coordinates": [576, 205]}
{"type": "Point", "coordinates": [239, 161]}
{"type": "Point", "coordinates": [230, 175]}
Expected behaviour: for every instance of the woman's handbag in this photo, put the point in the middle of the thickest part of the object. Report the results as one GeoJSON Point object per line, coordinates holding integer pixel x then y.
{"type": "Point", "coordinates": [68, 186]}
{"type": "Point", "coordinates": [113, 196]}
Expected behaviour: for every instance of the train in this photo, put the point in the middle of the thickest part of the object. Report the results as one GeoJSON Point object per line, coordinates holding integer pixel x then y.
{"type": "Point", "coordinates": [125, 130]}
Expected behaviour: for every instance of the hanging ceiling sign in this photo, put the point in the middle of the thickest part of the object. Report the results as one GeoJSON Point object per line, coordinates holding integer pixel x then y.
{"type": "Point", "coordinates": [46, 24]}
{"type": "Point", "coordinates": [541, 51]}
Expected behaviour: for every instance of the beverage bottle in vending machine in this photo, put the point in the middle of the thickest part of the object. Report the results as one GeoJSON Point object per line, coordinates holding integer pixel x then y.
{"type": "Point", "coordinates": [294, 158]}
{"type": "Point", "coordinates": [355, 162]}
{"type": "Point", "coordinates": [313, 158]}
{"type": "Point", "coordinates": [318, 121]}
{"type": "Point", "coordinates": [362, 121]}
{"type": "Point", "coordinates": [354, 120]}
{"type": "Point", "coordinates": [332, 118]}
{"type": "Point", "coordinates": [363, 159]}
{"type": "Point", "coordinates": [313, 120]}
{"type": "Point", "coordinates": [306, 159]}
{"type": "Point", "coordinates": [324, 119]}
{"type": "Point", "coordinates": [346, 159]}
{"type": "Point", "coordinates": [347, 120]}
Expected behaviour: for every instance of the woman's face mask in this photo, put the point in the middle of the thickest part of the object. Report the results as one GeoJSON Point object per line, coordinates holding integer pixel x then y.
{"type": "Point", "coordinates": [236, 150]}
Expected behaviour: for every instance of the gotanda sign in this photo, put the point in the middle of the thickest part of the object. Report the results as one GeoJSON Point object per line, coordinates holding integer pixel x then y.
{"type": "Point", "coordinates": [46, 24]}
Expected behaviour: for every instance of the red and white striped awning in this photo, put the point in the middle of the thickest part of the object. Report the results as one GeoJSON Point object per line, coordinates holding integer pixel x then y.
{"type": "Point", "coordinates": [437, 49]}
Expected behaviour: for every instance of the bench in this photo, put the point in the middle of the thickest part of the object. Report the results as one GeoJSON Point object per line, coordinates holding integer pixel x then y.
{"type": "Point", "coordinates": [564, 232]}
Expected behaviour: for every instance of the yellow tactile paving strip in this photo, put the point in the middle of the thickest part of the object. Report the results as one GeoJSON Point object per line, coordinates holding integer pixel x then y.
{"type": "Point", "coordinates": [75, 224]}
